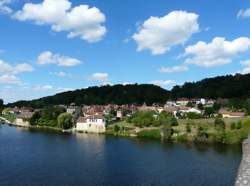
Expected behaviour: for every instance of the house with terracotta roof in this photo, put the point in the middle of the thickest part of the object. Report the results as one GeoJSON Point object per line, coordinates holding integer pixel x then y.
{"type": "Point", "coordinates": [91, 124]}
{"type": "Point", "coordinates": [229, 114]}
{"type": "Point", "coordinates": [182, 101]}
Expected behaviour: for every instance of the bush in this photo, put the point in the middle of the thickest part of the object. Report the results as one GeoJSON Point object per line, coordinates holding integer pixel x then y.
{"type": "Point", "coordinates": [233, 126]}
{"type": "Point", "coordinates": [219, 122]}
{"type": "Point", "coordinates": [193, 115]}
{"type": "Point", "coordinates": [151, 134]}
{"type": "Point", "coordinates": [64, 121]}
{"type": "Point", "coordinates": [239, 125]}
{"type": "Point", "coordinates": [116, 128]}
{"type": "Point", "coordinates": [188, 128]}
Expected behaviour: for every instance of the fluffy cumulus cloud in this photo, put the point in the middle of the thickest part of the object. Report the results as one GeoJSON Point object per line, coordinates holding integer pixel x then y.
{"type": "Point", "coordinates": [48, 57]}
{"type": "Point", "coordinates": [218, 52]}
{"type": "Point", "coordinates": [102, 77]}
{"type": "Point", "coordinates": [8, 72]}
{"type": "Point", "coordinates": [163, 83]}
{"type": "Point", "coordinates": [174, 69]}
{"type": "Point", "coordinates": [159, 34]}
{"type": "Point", "coordinates": [246, 65]}
{"type": "Point", "coordinates": [9, 79]}
{"type": "Point", "coordinates": [244, 13]}
{"type": "Point", "coordinates": [80, 21]}
{"type": "Point", "coordinates": [4, 6]}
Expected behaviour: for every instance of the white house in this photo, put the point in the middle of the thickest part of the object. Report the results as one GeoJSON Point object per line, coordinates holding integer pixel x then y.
{"type": "Point", "coordinates": [182, 101]}
{"type": "Point", "coordinates": [91, 124]}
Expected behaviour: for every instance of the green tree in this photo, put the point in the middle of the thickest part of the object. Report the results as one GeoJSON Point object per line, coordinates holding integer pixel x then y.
{"type": "Point", "coordinates": [188, 127]}
{"type": "Point", "coordinates": [216, 107]}
{"type": "Point", "coordinates": [209, 111]}
{"type": "Point", "coordinates": [167, 131]}
{"type": "Point", "coordinates": [219, 122]}
{"type": "Point", "coordinates": [64, 121]}
{"type": "Point", "coordinates": [200, 106]}
{"type": "Point", "coordinates": [35, 118]}
{"type": "Point", "coordinates": [116, 128]}
{"type": "Point", "coordinates": [247, 106]}
{"type": "Point", "coordinates": [143, 119]}
{"type": "Point", "coordinates": [1, 103]}
{"type": "Point", "coordinates": [233, 126]}
{"type": "Point", "coordinates": [173, 122]}
{"type": "Point", "coordinates": [239, 125]}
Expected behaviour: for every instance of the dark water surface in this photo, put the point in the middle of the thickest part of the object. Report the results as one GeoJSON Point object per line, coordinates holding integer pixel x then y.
{"type": "Point", "coordinates": [43, 158]}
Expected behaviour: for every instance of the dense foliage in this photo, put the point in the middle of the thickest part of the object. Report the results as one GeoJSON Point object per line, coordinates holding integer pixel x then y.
{"type": "Point", "coordinates": [64, 121]}
{"type": "Point", "coordinates": [1, 103]}
{"type": "Point", "coordinates": [117, 94]}
{"type": "Point", "coordinates": [237, 86]}
{"type": "Point", "coordinates": [150, 118]}
{"type": "Point", "coordinates": [47, 117]}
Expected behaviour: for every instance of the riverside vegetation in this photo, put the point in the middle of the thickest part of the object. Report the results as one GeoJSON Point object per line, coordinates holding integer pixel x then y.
{"type": "Point", "coordinates": [152, 125]}
{"type": "Point", "coordinates": [166, 127]}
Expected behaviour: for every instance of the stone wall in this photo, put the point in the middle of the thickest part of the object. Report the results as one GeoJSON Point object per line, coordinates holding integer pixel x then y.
{"type": "Point", "coordinates": [243, 177]}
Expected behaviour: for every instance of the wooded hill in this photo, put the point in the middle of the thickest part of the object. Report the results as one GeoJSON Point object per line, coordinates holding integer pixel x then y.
{"type": "Point", "coordinates": [229, 86]}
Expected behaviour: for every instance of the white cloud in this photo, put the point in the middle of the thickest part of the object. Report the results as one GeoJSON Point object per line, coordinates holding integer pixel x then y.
{"type": "Point", "coordinates": [4, 8]}
{"type": "Point", "coordinates": [246, 65]}
{"type": "Point", "coordinates": [244, 13]}
{"type": "Point", "coordinates": [48, 57]}
{"type": "Point", "coordinates": [163, 83]}
{"type": "Point", "coordinates": [101, 77]}
{"type": "Point", "coordinates": [218, 52]}
{"type": "Point", "coordinates": [6, 68]}
{"type": "Point", "coordinates": [60, 74]}
{"type": "Point", "coordinates": [8, 73]}
{"type": "Point", "coordinates": [159, 34]}
{"type": "Point", "coordinates": [174, 69]}
{"type": "Point", "coordinates": [24, 67]}
{"type": "Point", "coordinates": [9, 79]}
{"type": "Point", "coordinates": [80, 21]}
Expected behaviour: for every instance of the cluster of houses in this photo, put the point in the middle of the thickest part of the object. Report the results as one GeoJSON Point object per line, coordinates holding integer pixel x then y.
{"type": "Point", "coordinates": [92, 118]}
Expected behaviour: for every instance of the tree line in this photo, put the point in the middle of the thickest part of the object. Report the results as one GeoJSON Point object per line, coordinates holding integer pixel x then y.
{"type": "Point", "coordinates": [229, 86]}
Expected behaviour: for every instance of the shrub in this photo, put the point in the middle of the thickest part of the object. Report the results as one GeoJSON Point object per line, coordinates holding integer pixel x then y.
{"type": "Point", "coordinates": [219, 122]}
{"type": "Point", "coordinates": [116, 128]}
{"type": "Point", "coordinates": [64, 121]}
{"type": "Point", "coordinates": [152, 134]}
{"type": "Point", "coordinates": [233, 126]}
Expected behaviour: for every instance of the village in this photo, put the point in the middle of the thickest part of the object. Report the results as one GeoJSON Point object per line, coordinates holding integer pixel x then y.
{"type": "Point", "coordinates": [96, 118]}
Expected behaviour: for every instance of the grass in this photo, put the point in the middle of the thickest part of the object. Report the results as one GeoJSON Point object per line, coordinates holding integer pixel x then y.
{"type": "Point", "coordinates": [10, 117]}
{"type": "Point", "coordinates": [213, 134]}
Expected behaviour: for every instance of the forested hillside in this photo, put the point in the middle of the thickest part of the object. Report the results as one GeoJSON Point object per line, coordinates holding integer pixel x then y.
{"type": "Point", "coordinates": [117, 94]}
{"type": "Point", "coordinates": [230, 86]}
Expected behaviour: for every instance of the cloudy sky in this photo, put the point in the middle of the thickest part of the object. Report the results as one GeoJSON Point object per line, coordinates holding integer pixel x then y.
{"type": "Point", "coordinates": [50, 46]}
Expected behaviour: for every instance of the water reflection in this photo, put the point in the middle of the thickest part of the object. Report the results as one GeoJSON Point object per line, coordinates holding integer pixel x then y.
{"type": "Point", "coordinates": [49, 158]}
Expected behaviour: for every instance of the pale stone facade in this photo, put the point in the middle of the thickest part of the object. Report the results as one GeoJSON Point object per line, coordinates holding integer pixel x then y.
{"type": "Point", "coordinates": [91, 124]}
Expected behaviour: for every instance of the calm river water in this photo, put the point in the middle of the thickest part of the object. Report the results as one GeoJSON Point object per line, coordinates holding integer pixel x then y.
{"type": "Point", "coordinates": [42, 158]}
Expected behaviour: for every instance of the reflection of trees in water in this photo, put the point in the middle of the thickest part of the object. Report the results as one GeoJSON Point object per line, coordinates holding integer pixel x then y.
{"type": "Point", "coordinates": [218, 148]}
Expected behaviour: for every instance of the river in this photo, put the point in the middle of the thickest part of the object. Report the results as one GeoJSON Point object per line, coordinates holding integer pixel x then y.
{"type": "Point", "coordinates": [42, 158]}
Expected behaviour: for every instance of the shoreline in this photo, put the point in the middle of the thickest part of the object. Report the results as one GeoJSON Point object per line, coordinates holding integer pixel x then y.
{"type": "Point", "coordinates": [119, 134]}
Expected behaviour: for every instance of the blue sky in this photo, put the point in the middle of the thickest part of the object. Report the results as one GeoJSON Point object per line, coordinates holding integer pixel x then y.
{"type": "Point", "coordinates": [45, 50]}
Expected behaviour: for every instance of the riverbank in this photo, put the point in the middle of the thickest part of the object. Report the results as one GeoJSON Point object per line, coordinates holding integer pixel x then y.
{"type": "Point", "coordinates": [227, 131]}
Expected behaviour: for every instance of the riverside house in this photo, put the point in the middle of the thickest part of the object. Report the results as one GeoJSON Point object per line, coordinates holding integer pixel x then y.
{"type": "Point", "coordinates": [91, 124]}
{"type": "Point", "coordinates": [22, 118]}
{"type": "Point", "coordinates": [229, 114]}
